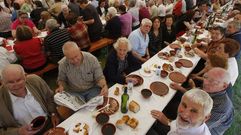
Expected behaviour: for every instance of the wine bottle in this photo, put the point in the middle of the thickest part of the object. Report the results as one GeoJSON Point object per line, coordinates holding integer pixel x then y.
{"type": "Point", "coordinates": [124, 100]}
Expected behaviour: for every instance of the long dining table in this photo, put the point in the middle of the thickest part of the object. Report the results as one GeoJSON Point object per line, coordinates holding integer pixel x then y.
{"type": "Point", "coordinates": [146, 105]}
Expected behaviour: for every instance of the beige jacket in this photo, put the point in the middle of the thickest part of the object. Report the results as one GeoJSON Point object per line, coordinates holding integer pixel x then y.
{"type": "Point", "coordinates": [39, 89]}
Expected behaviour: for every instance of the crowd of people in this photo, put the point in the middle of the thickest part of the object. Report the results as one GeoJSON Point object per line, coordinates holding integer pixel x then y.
{"type": "Point", "coordinates": [141, 29]}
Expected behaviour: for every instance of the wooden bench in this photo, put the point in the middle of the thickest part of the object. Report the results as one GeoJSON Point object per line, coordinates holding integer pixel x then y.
{"type": "Point", "coordinates": [48, 68]}
{"type": "Point", "coordinates": [103, 42]}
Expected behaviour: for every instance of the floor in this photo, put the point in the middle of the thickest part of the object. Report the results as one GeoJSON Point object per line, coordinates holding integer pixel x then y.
{"type": "Point", "coordinates": [235, 129]}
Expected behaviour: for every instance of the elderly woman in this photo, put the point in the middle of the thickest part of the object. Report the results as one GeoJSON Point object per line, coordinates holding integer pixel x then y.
{"type": "Point", "coordinates": [120, 62]}
{"type": "Point", "coordinates": [169, 30]}
{"type": "Point", "coordinates": [113, 25]}
{"type": "Point", "coordinates": [29, 50]}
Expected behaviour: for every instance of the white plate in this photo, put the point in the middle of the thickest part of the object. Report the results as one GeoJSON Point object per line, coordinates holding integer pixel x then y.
{"type": "Point", "coordinates": [145, 74]}
{"type": "Point", "coordinates": [43, 34]}
{"type": "Point", "coordinates": [81, 129]}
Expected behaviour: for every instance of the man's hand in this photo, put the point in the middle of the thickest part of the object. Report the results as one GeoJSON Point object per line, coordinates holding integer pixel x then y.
{"type": "Point", "coordinates": [104, 91]}
{"type": "Point", "coordinates": [27, 130]}
{"type": "Point", "coordinates": [60, 89]}
{"type": "Point", "coordinates": [55, 119]}
{"type": "Point", "coordinates": [160, 117]}
{"type": "Point", "coordinates": [176, 86]}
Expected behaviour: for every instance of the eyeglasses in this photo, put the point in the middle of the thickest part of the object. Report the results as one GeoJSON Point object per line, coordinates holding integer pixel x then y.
{"type": "Point", "coordinates": [24, 17]}
{"type": "Point", "coordinates": [212, 81]}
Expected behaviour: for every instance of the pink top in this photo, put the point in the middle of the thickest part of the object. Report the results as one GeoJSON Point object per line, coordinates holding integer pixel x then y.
{"type": "Point", "coordinates": [27, 22]}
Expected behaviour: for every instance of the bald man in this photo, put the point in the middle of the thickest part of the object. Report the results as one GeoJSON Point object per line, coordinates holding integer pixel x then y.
{"type": "Point", "coordinates": [81, 73]}
{"type": "Point", "coordinates": [23, 98]}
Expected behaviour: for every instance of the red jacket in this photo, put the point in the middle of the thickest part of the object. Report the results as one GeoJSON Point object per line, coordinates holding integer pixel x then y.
{"type": "Point", "coordinates": [30, 53]}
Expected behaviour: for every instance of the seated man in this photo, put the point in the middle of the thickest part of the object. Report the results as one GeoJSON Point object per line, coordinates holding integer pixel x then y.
{"type": "Point", "coordinates": [23, 98]}
{"type": "Point", "coordinates": [81, 72]}
{"type": "Point", "coordinates": [54, 41]}
{"type": "Point", "coordinates": [23, 20]}
{"type": "Point", "coordinates": [120, 62]}
{"type": "Point", "coordinates": [139, 40]}
{"type": "Point", "coordinates": [193, 111]}
{"type": "Point", "coordinates": [217, 83]}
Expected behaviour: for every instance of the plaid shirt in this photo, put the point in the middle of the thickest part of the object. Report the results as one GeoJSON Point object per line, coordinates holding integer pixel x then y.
{"type": "Point", "coordinates": [79, 34]}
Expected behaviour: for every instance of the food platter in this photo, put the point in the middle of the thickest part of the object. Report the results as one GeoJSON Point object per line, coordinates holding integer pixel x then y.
{"type": "Point", "coordinates": [139, 79]}
{"type": "Point", "coordinates": [159, 88]}
{"type": "Point", "coordinates": [186, 63]}
{"type": "Point", "coordinates": [177, 77]}
{"type": "Point", "coordinates": [80, 128]}
{"type": "Point", "coordinates": [113, 107]}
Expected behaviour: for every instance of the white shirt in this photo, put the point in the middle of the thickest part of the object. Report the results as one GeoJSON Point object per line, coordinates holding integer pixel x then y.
{"type": "Point", "coordinates": [233, 70]}
{"type": "Point", "coordinates": [26, 109]}
{"type": "Point", "coordinates": [201, 130]}
{"type": "Point", "coordinates": [6, 58]}
{"type": "Point", "coordinates": [169, 8]}
{"type": "Point", "coordinates": [162, 10]}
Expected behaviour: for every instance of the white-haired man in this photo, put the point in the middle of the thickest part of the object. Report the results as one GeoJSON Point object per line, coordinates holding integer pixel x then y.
{"type": "Point", "coordinates": [139, 40]}
{"type": "Point", "coordinates": [113, 25]}
{"type": "Point", "coordinates": [81, 73]}
{"type": "Point", "coordinates": [216, 83]}
{"type": "Point", "coordinates": [193, 111]}
{"type": "Point", "coordinates": [23, 98]}
{"type": "Point", "coordinates": [233, 31]}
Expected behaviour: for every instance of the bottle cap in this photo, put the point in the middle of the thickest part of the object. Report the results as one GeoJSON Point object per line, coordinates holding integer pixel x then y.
{"type": "Point", "coordinates": [125, 91]}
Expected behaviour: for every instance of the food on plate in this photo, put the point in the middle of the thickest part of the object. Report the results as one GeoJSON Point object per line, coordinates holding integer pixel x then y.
{"type": "Point", "coordinates": [164, 73]}
{"type": "Point", "coordinates": [167, 67]}
{"type": "Point", "coordinates": [187, 48]}
{"type": "Point", "coordinates": [189, 54]}
{"type": "Point", "coordinates": [178, 64]}
{"type": "Point", "coordinates": [125, 118]}
{"type": "Point", "coordinates": [117, 91]}
{"type": "Point", "coordinates": [163, 55]}
{"type": "Point", "coordinates": [56, 131]}
{"type": "Point", "coordinates": [172, 52]}
{"type": "Point", "coordinates": [120, 123]}
{"type": "Point", "coordinates": [81, 129]}
{"type": "Point", "coordinates": [112, 108]}
{"type": "Point", "coordinates": [175, 46]}
{"type": "Point", "coordinates": [134, 106]}
{"type": "Point", "coordinates": [147, 70]}
{"type": "Point", "coordinates": [133, 123]}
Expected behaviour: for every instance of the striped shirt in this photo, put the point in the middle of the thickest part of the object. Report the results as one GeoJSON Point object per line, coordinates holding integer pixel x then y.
{"type": "Point", "coordinates": [54, 41]}
{"type": "Point", "coordinates": [83, 77]}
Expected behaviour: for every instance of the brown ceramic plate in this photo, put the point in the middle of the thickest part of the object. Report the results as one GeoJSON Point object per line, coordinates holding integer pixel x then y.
{"type": "Point", "coordinates": [175, 46]}
{"type": "Point", "coordinates": [159, 88]}
{"type": "Point", "coordinates": [56, 131]}
{"type": "Point", "coordinates": [177, 77]}
{"type": "Point", "coordinates": [186, 63]}
{"type": "Point", "coordinates": [139, 78]}
{"type": "Point", "coordinates": [114, 106]}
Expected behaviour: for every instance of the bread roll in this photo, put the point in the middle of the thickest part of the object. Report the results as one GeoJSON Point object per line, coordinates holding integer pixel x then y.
{"type": "Point", "coordinates": [120, 123]}
{"type": "Point", "coordinates": [117, 91]}
{"type": "Point", "coordinates": [133, 123]}
{"type": "Point", "coordinates": [125, 118]}
{"type": "Point", "coordinates": [134, 106]}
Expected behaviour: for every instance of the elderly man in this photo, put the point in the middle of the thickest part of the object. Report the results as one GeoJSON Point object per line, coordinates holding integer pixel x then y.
{"type": "Point", "coordinates": [234, 31]}
{"type": "Point", "coordinates": [91, 19]}
{"type": "Point", "coordinates": [139, 40]}
{"type": "Point", "coordinates": [217, 82]}
{"type": "Point", "coordinates": [55, 40]}
{"type": "Point", "coordinates": [81, 72]}
{"type": "Point", "coordinates": [23, 98]}
{"type": "Point", "coordinates": [193, 111]}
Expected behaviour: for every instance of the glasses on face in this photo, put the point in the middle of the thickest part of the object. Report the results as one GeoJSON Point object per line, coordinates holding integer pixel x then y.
{"type": "Point", "coordinates": [212, 81]}
{"type": "Point", "coordinates": [24, 17]}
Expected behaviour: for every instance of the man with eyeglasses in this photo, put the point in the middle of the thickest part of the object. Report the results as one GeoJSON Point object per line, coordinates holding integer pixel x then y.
{"type": "Point", "coordinates": [216, 82]}
{"type": "Point", "coordinates": [23, 20]}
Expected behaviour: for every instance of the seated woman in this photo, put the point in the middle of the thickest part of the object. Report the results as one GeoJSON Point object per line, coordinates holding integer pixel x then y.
{"type": "Point", "coordinates": [113, 24]}
{"type": "Point", "coordinates": [155, 35]}
{"type": "Point", "coordinates": [168, 30]}
{"type": "Point", "coordinates": [62, 16]}
{"type": "Point", "coordinates": [29, 50]}
{"type": "Point", "coordinates": [120, 62]}
{"type": "Point", "coordinates": [78, 31]}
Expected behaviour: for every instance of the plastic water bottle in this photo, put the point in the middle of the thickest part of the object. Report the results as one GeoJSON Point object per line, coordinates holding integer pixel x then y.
{"type": "Point", "coordinates": [158, 71]}
{"type": "Point", "coordinates": [130, 86]}
{"type": "Point", "coordinates": [124, 101]}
